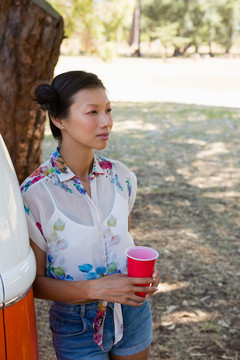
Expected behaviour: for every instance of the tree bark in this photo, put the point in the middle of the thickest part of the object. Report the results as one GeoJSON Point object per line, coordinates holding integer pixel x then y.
{"type": "Point", "coordinates": [135, 34]}
{"type": "Point", "coordinates": [31, 32]}
{"type": "Point", "coordinates": [177, 52]}
{"type": "Point", "coordinates": [229, 39]}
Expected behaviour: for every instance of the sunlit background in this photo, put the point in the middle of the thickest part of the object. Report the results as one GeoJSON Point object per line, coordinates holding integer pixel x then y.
{"type": "Point", "coordinates": [156, 50]}
{"type": "Point", "coordinates": [172, 71]}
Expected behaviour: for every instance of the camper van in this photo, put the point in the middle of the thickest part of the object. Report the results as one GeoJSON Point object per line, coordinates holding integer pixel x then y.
{"type": "Point", "coordinates": [18, 334]}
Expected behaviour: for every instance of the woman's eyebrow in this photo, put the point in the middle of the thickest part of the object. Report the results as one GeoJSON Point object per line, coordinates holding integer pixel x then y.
{"type": "Point", "coordinates": [97, 104]}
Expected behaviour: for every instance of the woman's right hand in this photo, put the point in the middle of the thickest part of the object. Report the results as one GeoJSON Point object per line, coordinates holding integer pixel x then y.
{"type": "Point", "coordinates": [120, 288]}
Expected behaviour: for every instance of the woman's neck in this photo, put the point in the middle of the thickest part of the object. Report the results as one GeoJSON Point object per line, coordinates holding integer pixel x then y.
{"type": "Point", "coordinates": [78, 159]}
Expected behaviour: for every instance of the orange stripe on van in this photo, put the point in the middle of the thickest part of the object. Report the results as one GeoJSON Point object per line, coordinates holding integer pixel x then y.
{"type": "Point", "coordinates": [21, 333]}
{"type": "Point", "coordinates": [2, 337]}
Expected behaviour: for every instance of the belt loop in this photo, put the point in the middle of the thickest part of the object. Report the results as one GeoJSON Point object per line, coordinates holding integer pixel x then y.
{"type": "Point", "coordinates": [111, 305]}
{"type": "Point", "coordinates": [83, 310]}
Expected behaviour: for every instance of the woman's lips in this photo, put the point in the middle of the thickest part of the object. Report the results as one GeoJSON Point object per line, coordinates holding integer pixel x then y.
{"type": "Point", "coordinates": [103, 136]}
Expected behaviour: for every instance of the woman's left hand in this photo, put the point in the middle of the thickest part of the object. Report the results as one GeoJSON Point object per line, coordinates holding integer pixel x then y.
{"type": "Point", "coordinates": [156, 278]}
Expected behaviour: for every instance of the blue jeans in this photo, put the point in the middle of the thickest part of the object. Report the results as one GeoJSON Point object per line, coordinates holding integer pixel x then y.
{"type": "Point", "coordinates": [72, 330]}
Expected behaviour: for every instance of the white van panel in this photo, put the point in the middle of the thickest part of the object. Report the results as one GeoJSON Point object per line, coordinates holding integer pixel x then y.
{"type": "Point", "coordinates": [19, 278]}
{"type": "Point", "coordinates": [1, 293]}
{"type": "Point", "coordinates": [14, 240]}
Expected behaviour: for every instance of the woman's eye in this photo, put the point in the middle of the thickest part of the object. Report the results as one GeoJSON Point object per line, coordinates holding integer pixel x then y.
{"type": "Point", "coordinates": [92, 112]}
{"type": "Point", "coordinates": [109, 110]}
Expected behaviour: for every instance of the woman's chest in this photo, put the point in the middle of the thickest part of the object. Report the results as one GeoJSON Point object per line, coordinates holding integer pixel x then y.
{"type": "Point", "coordinates": [86, 252]}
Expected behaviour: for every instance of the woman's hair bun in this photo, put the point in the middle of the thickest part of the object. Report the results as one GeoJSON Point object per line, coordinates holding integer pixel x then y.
{"type": "Point", "coordinates": [45, 97]}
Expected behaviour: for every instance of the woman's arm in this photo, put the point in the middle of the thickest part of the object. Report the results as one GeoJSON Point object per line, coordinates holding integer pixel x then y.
{"type": "Point", "coordinates": [117, 288]}
{"type": "Point", "coordinates": [129, 222]}
{"type": "Point", "coordinates": [52, 289]}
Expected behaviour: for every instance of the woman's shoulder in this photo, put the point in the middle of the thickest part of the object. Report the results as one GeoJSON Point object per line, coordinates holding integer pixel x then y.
{"type": "Point", "coordinates": [41, 173]}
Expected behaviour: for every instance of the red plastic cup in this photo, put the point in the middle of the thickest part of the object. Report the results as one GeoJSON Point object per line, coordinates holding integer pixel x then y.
{"type": "Point", "coordinates": [141, 262]}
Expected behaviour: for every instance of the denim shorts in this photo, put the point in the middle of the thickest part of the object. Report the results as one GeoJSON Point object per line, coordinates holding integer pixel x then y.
{"type": "Point", "coordinates": [72, 331]}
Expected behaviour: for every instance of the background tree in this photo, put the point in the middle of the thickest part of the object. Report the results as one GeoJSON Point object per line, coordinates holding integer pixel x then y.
{"type": "Point", "coordinates": [211, 20]}
{"type": "Point", "coordinates": [135, 33]}
{"type": "Point", "coordinates": [95, 23]}
{"type": "Point", "coordinates": [101, 25]}
{"type": "Point", "coordinates": [184, 23]}
{"type": "Point", "coordinates": [165, 20]}
{"type": "Point", "coordinates": [80, 21]}
{"type": "Point", "coordinates": [228, 26]}
{"type": "Point", "coordinates": [30, 36]}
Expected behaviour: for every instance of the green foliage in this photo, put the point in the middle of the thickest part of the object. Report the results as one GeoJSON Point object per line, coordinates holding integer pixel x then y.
{"type": "Point", "coordinates": [114, 17]}
{"type": "Point", "coordinates": [182, 23]}
{"type": "Point", "coordinates": [96, 23]}
{"type": "Point", "coordinates": [168, 35]}
{"type": "Point", "coordinates": [80, 21]}
{"type": "Point", "coordinates": [101, 24]}
{"type": "Point", "coordinates": [229, 12]}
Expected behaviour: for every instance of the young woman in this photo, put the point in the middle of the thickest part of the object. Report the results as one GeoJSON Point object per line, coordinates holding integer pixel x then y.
{"type": "Point", "coordinates": [78, 208]}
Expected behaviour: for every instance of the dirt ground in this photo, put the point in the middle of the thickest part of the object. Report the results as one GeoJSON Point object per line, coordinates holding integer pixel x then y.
{"type": "Point", "coordinates": [186, 158]}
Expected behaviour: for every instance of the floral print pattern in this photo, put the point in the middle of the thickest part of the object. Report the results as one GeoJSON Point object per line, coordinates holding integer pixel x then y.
{"type": "Point", "coordinates": [56, 245]}
{"type": "Point", "coordinates": [105, 164]}
{"type": "Point", "coordinates": [77, 183]}
{"type": "Point", "coordinates": [27, 210]}
{"type": "Point", "coordinates": [129, 187]}
{"type": "Point", "coordinates": [40, 173]}
{"type": "Point", "coordinates": [101, 271]}
{"type": "Point", "coordinates": [99, 323]}
{"type": "Point", "coordinates": [60, 167]}
{"type": "Point", "coordinates": [111, 170]}
{"type": "Point", "coordinates": [39, 226]}
{"type": "Point", "coordinates": [112, 267]}
{"type": "Point", "coordinates": [58, 163]}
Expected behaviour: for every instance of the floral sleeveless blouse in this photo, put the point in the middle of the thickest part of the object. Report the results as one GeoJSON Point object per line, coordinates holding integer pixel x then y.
{"type": "Point", "coordinates": [84, 238]}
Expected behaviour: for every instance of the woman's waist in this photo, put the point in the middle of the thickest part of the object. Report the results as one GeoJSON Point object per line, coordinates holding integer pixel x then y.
{"type": "Point", "coordinates": [77, 308]}
{"type": "Point", "coordinates": [80, 302]}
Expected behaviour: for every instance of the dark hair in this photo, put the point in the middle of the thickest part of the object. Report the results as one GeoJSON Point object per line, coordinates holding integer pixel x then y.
{"type": "Point", "coordinates": [59, 96]}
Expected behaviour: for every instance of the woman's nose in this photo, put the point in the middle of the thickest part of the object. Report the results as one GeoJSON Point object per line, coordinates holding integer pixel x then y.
{"type": "Point", "coordinates": [106, 120]}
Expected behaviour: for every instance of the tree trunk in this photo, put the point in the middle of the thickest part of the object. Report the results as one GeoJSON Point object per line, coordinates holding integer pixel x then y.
{"type": "Point", "coordinates": [177, 52]}
{"type": "Point", "coordinates": [210, 49]}
{"type": "Point", "coordinates": [229, 39]}
{"type": "Point", "coordinates": [31, 32]}
{"type": "Point", "coordinates": [135, 34]}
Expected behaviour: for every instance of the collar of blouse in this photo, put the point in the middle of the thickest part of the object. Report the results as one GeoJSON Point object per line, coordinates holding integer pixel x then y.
{"type": "Point", "coordinates": [100, 166]}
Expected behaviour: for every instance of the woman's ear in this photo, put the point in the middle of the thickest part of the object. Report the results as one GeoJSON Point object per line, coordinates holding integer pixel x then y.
{"type": "Point", "coordinates": [58, 123]}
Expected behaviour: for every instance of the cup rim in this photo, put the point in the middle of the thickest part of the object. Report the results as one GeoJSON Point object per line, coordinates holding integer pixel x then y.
{"type": "Point", "coordinates": [142, 247]}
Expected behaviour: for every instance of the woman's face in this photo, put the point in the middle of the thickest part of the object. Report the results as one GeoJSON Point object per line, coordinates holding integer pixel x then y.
{"type": "Point", "coordinates": [89, 122]}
